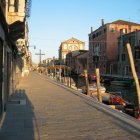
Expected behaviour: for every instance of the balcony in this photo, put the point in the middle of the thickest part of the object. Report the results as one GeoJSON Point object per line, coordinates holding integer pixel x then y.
{"type": "Point", "coordinates": [17, 30]}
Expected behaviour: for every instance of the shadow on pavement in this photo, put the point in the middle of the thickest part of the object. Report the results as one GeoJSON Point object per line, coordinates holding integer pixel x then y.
{"type": "Point", "coordinates": [19, 122]}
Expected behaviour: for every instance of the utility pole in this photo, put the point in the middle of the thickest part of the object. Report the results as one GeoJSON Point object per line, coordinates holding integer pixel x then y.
{"type": "Point", "coordinates": [40, 54]}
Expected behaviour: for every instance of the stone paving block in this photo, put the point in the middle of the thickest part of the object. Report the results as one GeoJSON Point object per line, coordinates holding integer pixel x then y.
{"type": "Point", "coordinates": [53, 112]}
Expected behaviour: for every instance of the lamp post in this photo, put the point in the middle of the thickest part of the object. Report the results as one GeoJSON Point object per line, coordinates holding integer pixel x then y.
{"type": "Point", "coordinates": [32, 46]}
{"type": "Point", "coordinates": [30, 55]}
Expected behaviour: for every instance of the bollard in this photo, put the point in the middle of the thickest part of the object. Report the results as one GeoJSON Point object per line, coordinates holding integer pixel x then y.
{"type": "Point", "coordinates": [64, 75]}
{"type": "Point", "coordinates": [60, 73]}
{"type": "Point", "coordinates": [70, 78]}
{"type": "Point", "coordinates": [87, 83]}
{"type": "Point", "coordinates": [55, 73]}
{"type": "Point", "coordinates": [134, 73]}
{"type": "Point", "coordinates": [98, 85]}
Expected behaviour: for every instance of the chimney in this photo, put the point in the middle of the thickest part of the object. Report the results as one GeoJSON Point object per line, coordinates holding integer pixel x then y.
{"type": "Point", "coordinates": [91, 29]}
{"type": "Point", "coordinates": [102, 22]}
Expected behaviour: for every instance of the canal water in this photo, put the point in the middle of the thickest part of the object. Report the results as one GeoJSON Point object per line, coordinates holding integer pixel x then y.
{"type": "Point", "coordinates": [128, 93]}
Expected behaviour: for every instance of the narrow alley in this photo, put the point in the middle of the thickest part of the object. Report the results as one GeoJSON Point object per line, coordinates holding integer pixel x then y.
{"type": "Point", "coordinates": [42, 109]}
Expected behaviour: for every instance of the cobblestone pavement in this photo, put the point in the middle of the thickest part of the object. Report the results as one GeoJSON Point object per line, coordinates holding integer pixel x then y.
{"type": "Point", "coordinates": [41, 109]}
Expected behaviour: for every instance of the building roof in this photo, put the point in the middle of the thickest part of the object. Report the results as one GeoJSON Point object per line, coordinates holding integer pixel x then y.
{"type": "Point", "coordinates": [123, 22]}
{"type": "Point", "coordinates": [77, 52]}
{"type": "Point", "coordinates": [83, 53]}
{"type": "Point", "coordinates": [72, 39]}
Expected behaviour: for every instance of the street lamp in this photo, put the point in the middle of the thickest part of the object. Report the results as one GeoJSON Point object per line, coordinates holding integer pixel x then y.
{"type": "Point", "coordinates": [32, 46]}
{"type": "Point", "coordinates": [30, 55]}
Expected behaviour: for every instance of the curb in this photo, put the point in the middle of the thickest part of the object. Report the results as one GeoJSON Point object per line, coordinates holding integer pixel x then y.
{"type": "Point", "coordinates": [124, 118]}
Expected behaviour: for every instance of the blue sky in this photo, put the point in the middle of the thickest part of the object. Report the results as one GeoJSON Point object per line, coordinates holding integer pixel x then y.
{"type": "Point", "coordinates": [54, 21]}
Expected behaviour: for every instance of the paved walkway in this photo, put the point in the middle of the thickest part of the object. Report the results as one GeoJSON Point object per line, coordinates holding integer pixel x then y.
{"type": "Point", "coordinates": [54, 112]}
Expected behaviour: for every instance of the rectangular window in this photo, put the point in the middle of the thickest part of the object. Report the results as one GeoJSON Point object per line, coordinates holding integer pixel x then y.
{"type": "Point", "coordinates": [118, 57]}
{"type": "Point", "coordinates": [99, 47]}
{"type": "Point", "coordinates": [124, 45]}
{"type": "Point", "coordinates": [16, 4]}
{"type": "Point", "coordinates": [123, 31]}
{"type": "Point", "coordinates": [112, 30]}
{"type": "Point", "coordinates": [93, 49]}
{"type": "Point", "coordinates": [94, 36]}
{"type": "Point", "coordinates": [123, 57]}
{"type": "Point", "coordinates": [137, 54]}
{"type": "Point", "coordinates": [8, 4]}
{"type": "Point", "coordinates": [104, 30]}
{"type": "Point", "coordinates": [126, 70]}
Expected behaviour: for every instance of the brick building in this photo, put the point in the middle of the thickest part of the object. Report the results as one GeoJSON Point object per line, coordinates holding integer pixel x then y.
{"type": "Point", "coordinates": [124, 69]}
{"type": "Point", "coordinates": [103, 45]}
{"type": "Point", "coordinates": [77, 61]}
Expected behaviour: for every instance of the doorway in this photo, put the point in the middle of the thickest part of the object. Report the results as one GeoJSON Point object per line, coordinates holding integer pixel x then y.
{"type": "Point", "coordinates": [8, 70]}
{"type": "Point", "coordinates": [1, 73]}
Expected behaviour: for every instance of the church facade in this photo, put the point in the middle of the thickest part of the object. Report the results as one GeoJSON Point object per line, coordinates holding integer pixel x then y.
{"type": "Point", "coordinates": [68, 46]}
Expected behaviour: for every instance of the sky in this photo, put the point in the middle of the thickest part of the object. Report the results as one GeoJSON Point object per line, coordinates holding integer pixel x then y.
{"type": "Point", "coordinates": [54, 21]}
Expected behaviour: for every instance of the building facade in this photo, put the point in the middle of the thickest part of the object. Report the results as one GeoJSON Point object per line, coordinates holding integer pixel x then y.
{"type": "Point", "coordinates": [3, 51]}
{"type": "Point", "coordinates": [50, 61]}
{"type": "Point", "coordinates": [103, 45]}
{"type": "Point", "coordinates": [82, 62]}
{"type": "Point", "coordinates": [77, 61]}
{"type": "Point", "coordinates": [67, 46]}
{"type": "Point", "coordinates": [124, 69]}
{"type": "Point", "coordinates": [18, 27]}
{"type": "Point", "coordinates": [13, 27]}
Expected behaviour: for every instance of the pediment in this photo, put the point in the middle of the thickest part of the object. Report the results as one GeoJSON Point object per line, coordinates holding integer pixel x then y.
{"type": "Point", "coordinates": [73, 41]}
